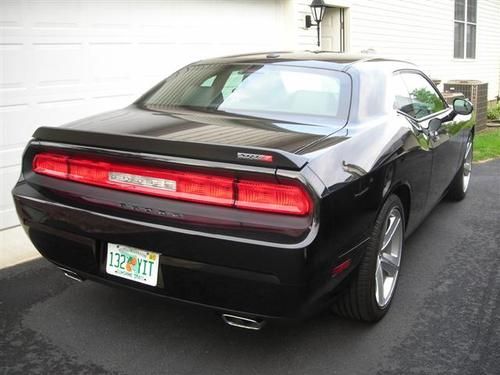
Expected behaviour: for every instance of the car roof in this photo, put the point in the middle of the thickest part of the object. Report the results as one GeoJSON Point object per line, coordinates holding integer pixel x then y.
{"type": "Point", "coordinates": [326, 59]}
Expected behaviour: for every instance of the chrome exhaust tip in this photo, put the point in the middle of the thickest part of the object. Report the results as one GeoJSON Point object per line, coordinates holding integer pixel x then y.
{"type": "Point", "coordinates": [71, 274]}
{"type": "Point", "coordinates": [242, 322]}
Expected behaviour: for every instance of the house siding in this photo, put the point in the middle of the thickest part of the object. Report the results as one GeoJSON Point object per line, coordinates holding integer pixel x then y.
{"type": "Point", "coordinates": [421, 32]}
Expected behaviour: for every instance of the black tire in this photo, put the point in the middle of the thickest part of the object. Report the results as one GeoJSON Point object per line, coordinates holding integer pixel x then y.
{"type": "Point", "coordinates": [358, 301]}
{"type": "Point", "coordinates": [458, 187]}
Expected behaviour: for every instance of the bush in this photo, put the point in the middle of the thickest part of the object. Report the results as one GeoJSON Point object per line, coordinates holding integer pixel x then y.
{"type": "Point", "coordinates": [494, 112]}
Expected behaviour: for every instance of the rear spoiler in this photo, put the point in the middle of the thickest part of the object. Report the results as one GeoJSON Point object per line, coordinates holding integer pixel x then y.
{"type": "Point", "coordinates": [144, 144]}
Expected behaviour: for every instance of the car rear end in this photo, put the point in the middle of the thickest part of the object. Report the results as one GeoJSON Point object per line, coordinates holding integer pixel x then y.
{"type": "Point", "coordinates": [230, 236]}
{"type": "Point", "coordinates": [198, 191]}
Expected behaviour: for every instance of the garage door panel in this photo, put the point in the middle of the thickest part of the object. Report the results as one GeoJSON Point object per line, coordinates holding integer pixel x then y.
{"type": "Point", "coordinates": [108, 15]}
{"type": "Point", "coordinates": [10, 75]}
{"type": "Point", "coordinates": [58, 64]}
{"type": "Point", "coordinates": [16, 125]}
{"type": "Point", "coordinates": [12, 15]}
{"type": "Point", "coordinates": [58, 94]}
{"type": "Point", "coordinates": [10, 157]}
{"type": "Point", "coordinates": [67, 59]}
{"type": "Point", "coordinates": [156, 59]}
{"type": "Point", "coordinates": [104, 103]}
{"type": "Point", "coordinates": [56, 14]}
{"type": "Point", "coordinates": [59, 112]}
{"type": "Point", "coordinates": [110, 61]}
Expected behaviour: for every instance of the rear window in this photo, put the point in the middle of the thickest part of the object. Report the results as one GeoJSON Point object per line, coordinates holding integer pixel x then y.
{"type": "Point", "coordinates": [269, 91]}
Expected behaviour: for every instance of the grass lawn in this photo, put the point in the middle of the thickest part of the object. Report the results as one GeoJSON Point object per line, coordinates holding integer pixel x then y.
{"type": "Point", "coordinates": [487, 144]}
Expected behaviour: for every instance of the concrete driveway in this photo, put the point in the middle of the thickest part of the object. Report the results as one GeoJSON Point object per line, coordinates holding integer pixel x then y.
{"type": "Point", "coordinates": [445, 318]}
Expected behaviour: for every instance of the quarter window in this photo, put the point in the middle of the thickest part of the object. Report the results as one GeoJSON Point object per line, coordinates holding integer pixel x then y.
{"type": "Point", "coordinates": [402, 100]}
{"type": "Point", "coordinates": [464, 45]}
{"type": "Point", "coordinates": [415, 96]}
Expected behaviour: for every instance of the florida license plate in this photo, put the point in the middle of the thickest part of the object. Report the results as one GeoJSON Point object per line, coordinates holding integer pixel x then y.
{"type": "Point", "coordinates": [133, 264]}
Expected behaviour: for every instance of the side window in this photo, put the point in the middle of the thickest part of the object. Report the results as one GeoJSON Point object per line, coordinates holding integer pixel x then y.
{"type": "Point", "coordinates": [424, 98]}
{"type": "Point", "coordinates": [402, 100]}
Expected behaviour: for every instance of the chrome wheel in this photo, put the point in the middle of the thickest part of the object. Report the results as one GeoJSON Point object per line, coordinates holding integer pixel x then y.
{"type": "Point", "coordinates": [389, 258]}
{"type": "Point", "coordinates": [467, 165]}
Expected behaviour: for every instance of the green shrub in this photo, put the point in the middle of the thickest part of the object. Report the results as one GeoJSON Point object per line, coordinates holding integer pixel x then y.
{"type": "Point", "coordinates": [494, 112]}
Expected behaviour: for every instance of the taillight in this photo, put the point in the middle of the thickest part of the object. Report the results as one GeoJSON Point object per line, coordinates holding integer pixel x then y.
{"type": "Point", "coordinates": [193, 187]}
{"type": "Point", "coordinates": [264, 196]}
{"type": "Point", "coordinates": [51, 165]}
{"type": "Point", "coordinates": [188, 186]}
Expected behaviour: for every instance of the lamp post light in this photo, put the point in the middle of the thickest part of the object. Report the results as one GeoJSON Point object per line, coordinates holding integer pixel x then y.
{"type": "Point", "coordinates": [318, 11]}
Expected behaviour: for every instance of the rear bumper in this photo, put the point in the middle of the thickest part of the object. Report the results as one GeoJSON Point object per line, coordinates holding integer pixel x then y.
{"type": "Point", "coordinates": [226, 275]}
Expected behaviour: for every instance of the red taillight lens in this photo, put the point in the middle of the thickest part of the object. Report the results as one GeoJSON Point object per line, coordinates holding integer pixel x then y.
{"type": "Point", "coordinates": [262, 196]}
{"type": "Point", "coordinates": [188, 186]}
{"type": "Point", "coordinates": [51, 165]}
{"type": "Point", "coordinates": [88, 171]}
{"type": "Point", "coordinates": [193, 187]}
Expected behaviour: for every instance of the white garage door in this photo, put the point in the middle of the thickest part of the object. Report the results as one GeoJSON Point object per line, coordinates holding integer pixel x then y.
{"type": "Point", "coordinates": [63, 60]}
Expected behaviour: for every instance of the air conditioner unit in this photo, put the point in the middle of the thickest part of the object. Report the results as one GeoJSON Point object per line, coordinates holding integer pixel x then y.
{"type": "Point", "coordinates": [476, 92]}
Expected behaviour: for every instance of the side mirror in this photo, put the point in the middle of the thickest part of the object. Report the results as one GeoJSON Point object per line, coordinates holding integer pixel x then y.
{"type": "Point", "coordinates": [434, 125]}
{"type": "Point", "coordinates": [462, 106]}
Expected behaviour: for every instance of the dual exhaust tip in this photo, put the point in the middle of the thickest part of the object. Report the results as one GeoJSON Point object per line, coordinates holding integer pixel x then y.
{"type": "Point", "coordinates": [229, 319]}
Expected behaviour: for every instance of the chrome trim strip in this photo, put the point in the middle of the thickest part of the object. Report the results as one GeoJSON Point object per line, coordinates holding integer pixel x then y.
{"type": "Point", "coordinates": [305, 242]}
{"type": "Point", "coordinates": [355, 247]}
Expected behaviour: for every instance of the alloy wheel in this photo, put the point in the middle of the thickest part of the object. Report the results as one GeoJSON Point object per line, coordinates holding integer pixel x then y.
{"type": "Point", "coordinates": [389, 258]}
{"type": "Point", "coordinates": [467, 165]}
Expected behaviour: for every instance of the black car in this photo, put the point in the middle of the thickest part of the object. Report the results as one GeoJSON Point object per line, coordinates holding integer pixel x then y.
{"type": "Point", "coordinates": [262, 186]}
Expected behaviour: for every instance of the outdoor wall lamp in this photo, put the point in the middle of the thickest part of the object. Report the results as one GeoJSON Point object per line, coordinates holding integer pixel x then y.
{"type": "Point", "coordinates": [318, 11]}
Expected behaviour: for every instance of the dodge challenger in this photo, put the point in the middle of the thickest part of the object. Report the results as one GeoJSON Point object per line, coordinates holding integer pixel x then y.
{"type": "Point", "coordinates": [261, 186]}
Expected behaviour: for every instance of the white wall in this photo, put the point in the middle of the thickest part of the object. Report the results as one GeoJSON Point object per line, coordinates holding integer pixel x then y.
{"type": "Point", "coordinates": [418, 31]}
{"type": "Point", "coordinates": [65, 59]}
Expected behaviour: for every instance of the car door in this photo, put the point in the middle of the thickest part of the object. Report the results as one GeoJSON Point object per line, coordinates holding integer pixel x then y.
{"type": "Point", "coordinates": [416, 167]}
{"type": "Point", "coordinates": [445, 144]}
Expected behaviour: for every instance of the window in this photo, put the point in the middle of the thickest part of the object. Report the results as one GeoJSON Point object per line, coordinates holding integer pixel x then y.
{"type": "Point", "coordinates": [208, 82]}
{"type": "Point", "coordinates": [402, 100]}
{"type": "Point", "coordinates": [268, 91]}
{"type": "Point", "coordinates": [415, 96]}
{"type": "Point", "coordinates": [465, 29]}
{"type": "Point", "coordinates": [232, 83]}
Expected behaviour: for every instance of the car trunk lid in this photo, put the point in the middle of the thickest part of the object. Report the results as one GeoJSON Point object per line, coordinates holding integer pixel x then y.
{"type": "Point", "coordinates": [189, 134]}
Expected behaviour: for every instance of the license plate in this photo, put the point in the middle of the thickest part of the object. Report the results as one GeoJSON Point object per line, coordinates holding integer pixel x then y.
{"type": "Point", "coordinates": [132, 264]}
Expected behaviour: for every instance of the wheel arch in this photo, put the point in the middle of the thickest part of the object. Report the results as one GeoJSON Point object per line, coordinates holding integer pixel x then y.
{"type": "Point", "coordinates": [403, 192]}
